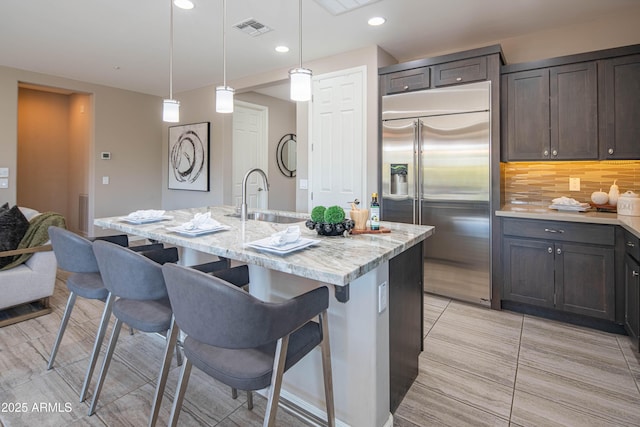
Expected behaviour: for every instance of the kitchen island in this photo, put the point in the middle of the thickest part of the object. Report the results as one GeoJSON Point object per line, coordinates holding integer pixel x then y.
{"type": "Point", "coordinates": [356, 268]}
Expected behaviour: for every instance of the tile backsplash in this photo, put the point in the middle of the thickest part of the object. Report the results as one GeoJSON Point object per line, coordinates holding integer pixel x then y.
{"type": "Point", "coordinates": [537, 183]}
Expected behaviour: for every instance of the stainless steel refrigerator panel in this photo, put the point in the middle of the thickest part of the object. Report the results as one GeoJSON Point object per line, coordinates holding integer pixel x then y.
{"type": "Point", "coordinates": [432, 102]}
{"type": "Point", "coordinates": [458, 254]}
{"type": "Point", "coordinates": [455, 157]}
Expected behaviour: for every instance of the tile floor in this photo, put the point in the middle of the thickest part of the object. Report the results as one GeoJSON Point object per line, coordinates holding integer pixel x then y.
{"type": "Point", "coordinates": [479, 367]}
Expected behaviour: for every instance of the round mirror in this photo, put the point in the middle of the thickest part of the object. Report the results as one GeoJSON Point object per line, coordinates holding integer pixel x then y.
{"type": "Point", "coordinates": [286, 155]}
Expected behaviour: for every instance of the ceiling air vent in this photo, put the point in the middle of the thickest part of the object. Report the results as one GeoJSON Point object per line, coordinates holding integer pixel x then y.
{"type": "Point", "coordinates": [338, 7]}
{"type": "Point", "coordinates": [252, 27]}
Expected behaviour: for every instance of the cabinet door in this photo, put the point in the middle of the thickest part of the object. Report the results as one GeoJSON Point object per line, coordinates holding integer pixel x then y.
{"type": "Point", "coordinates": [584, 280]}
{"type": "Point", "coordinates": [620, 108]}
{"type": "Point", "coordinates": [632, 299]}
{"type": "Point", "coordinates": [574, 112]}
{"type": "Point", "coordinates": [528, 115]}
{"type": "Point", "coordinates": [406, 81]}
{"type": "Point", "coordinates": [457, 72]}
{"type": "Point", "coordinates": [528, 271]}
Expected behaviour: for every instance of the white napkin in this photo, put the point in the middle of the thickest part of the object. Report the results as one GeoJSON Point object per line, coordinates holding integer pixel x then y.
{"type": "Point", "coordinates": [566, 201]}
{"type": "Point", "coordinates": [290, 235]}
{"type": "Point", "coordinates": [201, 221]}
{"type": "Point", "coordinates": [145, 214]}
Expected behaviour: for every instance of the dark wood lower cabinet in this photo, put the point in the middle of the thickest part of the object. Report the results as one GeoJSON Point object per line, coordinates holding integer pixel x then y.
{"type": "Point", "coordinates": [406, 326]}
{"type": "Point", "coordinates": [632, 300]}
{"type": "Point", "coordinates": [557, 273]}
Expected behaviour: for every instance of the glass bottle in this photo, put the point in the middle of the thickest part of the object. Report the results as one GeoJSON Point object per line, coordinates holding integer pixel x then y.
{"type": "Point", "coordinates": [374, 219]}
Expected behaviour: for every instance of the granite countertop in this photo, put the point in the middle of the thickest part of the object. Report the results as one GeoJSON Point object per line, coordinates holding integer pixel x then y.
{"type": "Point", "coordinates": [629, 223]}
{"type": "Point", "coordinates": [334, 260]}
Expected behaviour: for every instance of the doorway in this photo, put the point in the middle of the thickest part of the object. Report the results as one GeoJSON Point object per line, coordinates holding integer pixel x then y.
{"type": "Point", "coordinates": [53, 152]}
{"type": "Point", "coordinates": [250, 145]}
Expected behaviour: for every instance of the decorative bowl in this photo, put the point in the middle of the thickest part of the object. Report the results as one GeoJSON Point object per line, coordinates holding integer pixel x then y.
{"type": "Point", "coordinates": [326, 229]}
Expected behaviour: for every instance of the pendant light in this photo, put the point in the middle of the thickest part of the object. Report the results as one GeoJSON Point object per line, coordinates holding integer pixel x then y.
{"type": "Point", "coordinates": [224, 93]}
{"type": "Point", "coordinates": [171, 107]}
{"type": "Point", "coordinates": [300, 77]}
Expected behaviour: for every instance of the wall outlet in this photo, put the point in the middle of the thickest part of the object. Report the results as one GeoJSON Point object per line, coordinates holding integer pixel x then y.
{"type": "Point", "coordinates": [574, 184]}
{"type": "Point", "coordinates": [4, 182]}
{"type": "Point", "coordinates": [382, 297]}
{"type": "Point", "coordinates": [105, 180]}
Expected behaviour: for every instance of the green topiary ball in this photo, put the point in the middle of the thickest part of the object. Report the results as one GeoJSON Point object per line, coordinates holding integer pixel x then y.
{"type": "Point", "coordinates": [317, 214]}
{"type": "Point", "coordinates": [334, 215]}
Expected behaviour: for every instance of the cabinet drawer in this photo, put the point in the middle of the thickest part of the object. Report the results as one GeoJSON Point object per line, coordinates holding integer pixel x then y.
{"type": "Point", "coordinates": [597, 234]}
{"type": "Point", "coordinates": [457, 72]}
{"type": "Point", "coordinates": [406, 81]}
{"type": "Point", "coordinates": [632, 245]}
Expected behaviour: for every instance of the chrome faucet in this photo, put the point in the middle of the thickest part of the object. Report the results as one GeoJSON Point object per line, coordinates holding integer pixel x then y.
{"type": "Point", "coordinates": [243, 208]}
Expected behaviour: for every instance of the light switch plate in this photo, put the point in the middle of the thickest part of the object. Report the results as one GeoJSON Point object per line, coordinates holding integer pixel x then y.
{"type": "Point", "coordinates": [382, 297]}
{"type": "Point", "coordinates": [4, 182]}
{"type": "Point", "coordinates": [574, 184]}
{"type": "Point", "coordinates": [4, 172]}
{"type": "Point", "coordinates": [304, 184]}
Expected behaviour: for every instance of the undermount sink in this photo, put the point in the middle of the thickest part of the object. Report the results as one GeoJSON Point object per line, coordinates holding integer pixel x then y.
{"type": "Point", "coordinates": [271, 217]}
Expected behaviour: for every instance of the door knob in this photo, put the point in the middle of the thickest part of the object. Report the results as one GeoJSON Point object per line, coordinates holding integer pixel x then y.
{"type": "Point", "coordinates": [260, 189]}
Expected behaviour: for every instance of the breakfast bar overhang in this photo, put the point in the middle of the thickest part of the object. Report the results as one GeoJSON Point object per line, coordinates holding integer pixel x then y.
{"type": "Point", "coordinates": [375, 309]}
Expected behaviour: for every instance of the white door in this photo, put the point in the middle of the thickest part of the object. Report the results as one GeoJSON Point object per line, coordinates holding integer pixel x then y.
{"type": "Point", "coordinates": [338, 138]}
{"type": "Point", "coordinates": [250, 150]}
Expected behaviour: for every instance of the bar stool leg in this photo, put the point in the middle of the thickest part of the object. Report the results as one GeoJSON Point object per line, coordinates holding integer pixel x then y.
{"type": "Point", "coordinates": [172, 337]}
{"type": "Point", "coordinates": [105, 365]}
{"type": "Point", "coordinates": [63, 326]}
{"type": "Point", "coordinates": [185, 372]}
{"type": "Point", "coordinates": [326, 369]}
{"type": "Point", "coordinates": [276, 381]}
{"type": "Point", "coordinates": [102, 330]}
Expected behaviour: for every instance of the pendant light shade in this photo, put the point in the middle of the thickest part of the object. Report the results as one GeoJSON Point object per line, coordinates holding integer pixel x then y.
{"type": "Point", "coordinates": [224, 93]}
{"type": "Point", "coordinates": [224, 99]}
{"type": "Point", "coordinates": [171, 107]}
{"type": "Point", "coordinates": [171, 111]}
{"type": "Point", "coordinates": [300, 77]}
{"type": "Point", "coordinates": [300, 84]}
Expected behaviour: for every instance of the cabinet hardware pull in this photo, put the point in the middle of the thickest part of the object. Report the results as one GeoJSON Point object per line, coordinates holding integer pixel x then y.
{"type": "Point", "coordinates": [631, 245]}
{"type": "Point", "coordinates": [406, 87]}
{"type": "Point", "coordinates": [635, 273]}
{"type": "Point", "coordinates": [558, 251]}
{"type": "Point", "coordinates": [610, 151]}
{"type": "Point", "coordinates": [545, 153]}
{"type": "Point", "coordinates": [459, 79]}
{"type": "Point", "coordinates": [550, 250]}
{"type": "Point", "coordinates": [553, 230]}
{"type": "Point", "coordinates": [554, 152]}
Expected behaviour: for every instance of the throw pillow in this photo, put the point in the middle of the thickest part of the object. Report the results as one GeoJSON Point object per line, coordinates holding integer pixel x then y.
{"type": "Point", "coordinates": [13, 226]}
{"type": "Point", "coordinates": [4, 207]}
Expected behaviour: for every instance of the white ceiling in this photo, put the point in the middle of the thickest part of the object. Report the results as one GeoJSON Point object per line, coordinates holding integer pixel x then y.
{"type": "Point", "coordinates": [125, 44]}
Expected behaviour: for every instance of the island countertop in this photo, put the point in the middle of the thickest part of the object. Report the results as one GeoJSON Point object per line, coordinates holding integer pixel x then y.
{"type": "Point", "coordinates": [333, 260]}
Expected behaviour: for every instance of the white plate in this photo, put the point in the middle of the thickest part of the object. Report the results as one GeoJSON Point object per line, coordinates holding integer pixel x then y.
{"type": "Point", "coordinates": [265, 245]}
{"type": "Point", "coordinates": [145, 220]}
{"type": "Point", "coordinates": [571, 208]}
{"type": "Point", "coordinates": [197, 232]}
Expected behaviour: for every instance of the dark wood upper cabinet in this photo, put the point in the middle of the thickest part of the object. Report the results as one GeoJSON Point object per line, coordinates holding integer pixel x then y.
{"type": "Point", "coordinates": [459, 72]}
{"type": "Point", "coordinates": [528, 115]}
{"type": "Point", "coordinates": [552, 113]}
{"type": "Point", "coordinates": [574, 112]}
{"type": "Point", "coordinates": [620, 108]}
{"type": "Point", "coordinates": [406, 81]}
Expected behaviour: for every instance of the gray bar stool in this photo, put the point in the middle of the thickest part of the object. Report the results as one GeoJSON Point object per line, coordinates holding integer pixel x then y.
{"type": "Point", "coordinates": [139, 296]}
{"type": "Point", "coordinates": [253, 343]}
{"type": "Point", "coordinates": [75, 255]}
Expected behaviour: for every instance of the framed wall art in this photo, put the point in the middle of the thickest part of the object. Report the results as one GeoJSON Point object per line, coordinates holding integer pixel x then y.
{"type": "Point", "coordinates": [189, 157]}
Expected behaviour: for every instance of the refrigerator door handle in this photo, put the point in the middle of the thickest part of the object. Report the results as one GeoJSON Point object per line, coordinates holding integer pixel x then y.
{"type": "Point", "coordinates": [416, 157]}
{"type": "Point", "coordinates": [418, 175]}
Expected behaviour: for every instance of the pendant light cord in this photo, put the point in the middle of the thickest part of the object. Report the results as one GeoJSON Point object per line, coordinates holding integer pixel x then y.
{"type": "Point", "coordinates": [224, 43]}
{"type": "Point", "coordinates": [171, 51]}
{"type": "Point", "coordinates": [300, 30]}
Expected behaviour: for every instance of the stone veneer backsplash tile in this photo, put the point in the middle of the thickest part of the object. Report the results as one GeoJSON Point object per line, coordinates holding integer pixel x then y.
{"type": "Point", "coordinates": [537, 183]}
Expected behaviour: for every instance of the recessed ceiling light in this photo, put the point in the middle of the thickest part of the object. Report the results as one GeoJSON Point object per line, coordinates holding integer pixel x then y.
{"type": "Point", "coordinates": [376, 20]}
{"type": "Point", "coordinates": [282, 49]}
{"type": "Point", "coordinates": [184, 4]}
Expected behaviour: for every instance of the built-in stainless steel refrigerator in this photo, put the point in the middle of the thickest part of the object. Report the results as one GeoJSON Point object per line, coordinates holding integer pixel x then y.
{"type": "Point", "coordinates": [436, 171]}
